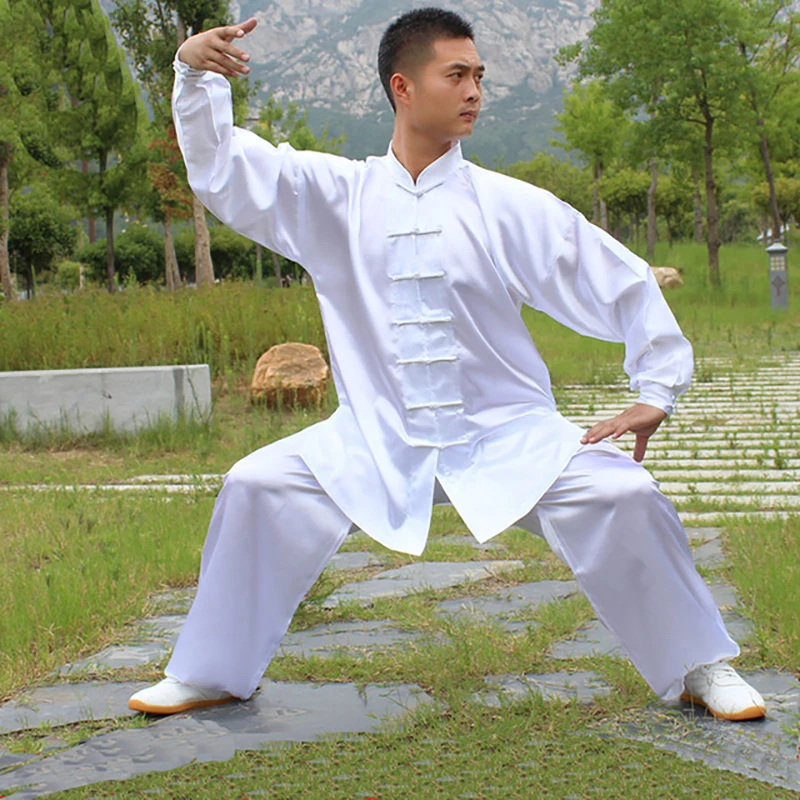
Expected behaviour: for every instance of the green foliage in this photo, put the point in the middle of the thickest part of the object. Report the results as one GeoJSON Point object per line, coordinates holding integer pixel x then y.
{"type": "Point", "coordinates": [564, 180]}
{"type": "Point", "coordinates": [138, 254]}
{"type": "Point", "coordinates": [591, 124]}
{"type": "Point", "coordinates": [68, 275]}
{"type": "Point", "coordinates": [787, 190]}
{"type": "Point", "coordinates": [41, 229]}
{"type": "Point", "coordinates": [234, 255]}
{"type": "Point", "coordinates": [625, 192]}
{"type": "Point", "coordinates": [277, 123]}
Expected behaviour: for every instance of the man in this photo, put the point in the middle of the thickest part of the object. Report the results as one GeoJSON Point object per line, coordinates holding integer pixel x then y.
{"type": "Point", "coordinates": [421, 262]}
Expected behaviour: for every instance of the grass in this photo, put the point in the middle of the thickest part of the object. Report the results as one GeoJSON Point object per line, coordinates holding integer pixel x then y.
{"type": "Point", "coordinates": [77, 568]}
{"type": "Point", "coordinates": [529, 749]}
{"type": "Point", "coordinates": [765, 566]}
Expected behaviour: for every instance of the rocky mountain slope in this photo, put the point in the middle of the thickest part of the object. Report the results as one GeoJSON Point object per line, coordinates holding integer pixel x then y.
{"type": "Point", "coordinates": [322, 54]}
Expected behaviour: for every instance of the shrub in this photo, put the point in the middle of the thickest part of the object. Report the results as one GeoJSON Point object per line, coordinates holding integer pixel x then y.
{"type": "Point", "coordinates": [138, 252]}
{"type": "Point", "coordinates": [68, 275]}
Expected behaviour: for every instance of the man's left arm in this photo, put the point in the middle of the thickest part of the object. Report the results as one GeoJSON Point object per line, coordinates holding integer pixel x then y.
{"type": "Point", "coordinates": [598, 287]}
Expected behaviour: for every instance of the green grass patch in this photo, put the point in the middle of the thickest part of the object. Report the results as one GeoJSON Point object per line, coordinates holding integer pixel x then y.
{"type": "Point", "coordinates": [527, 749]}
{"type": "Point", "coordinates": [764, 558]}
{"type": "Point", "coordinates": [76, 566]}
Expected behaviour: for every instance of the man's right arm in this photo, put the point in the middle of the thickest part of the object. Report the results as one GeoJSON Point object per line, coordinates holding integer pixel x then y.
{"type": "Point", "coordinates": [250, 185]}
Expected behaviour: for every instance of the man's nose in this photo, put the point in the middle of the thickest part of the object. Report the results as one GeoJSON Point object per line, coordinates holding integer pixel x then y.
{"type": "Point", "coordinates": [473, 92]}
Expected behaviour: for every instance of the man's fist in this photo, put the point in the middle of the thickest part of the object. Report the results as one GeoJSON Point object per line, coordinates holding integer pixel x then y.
{"type": "Point", "coordinates": [213, 50]}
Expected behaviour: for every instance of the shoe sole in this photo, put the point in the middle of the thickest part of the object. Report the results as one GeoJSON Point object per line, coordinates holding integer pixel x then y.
{"type": "Point", "coordinates": [147, 708]}
{"type": "Point", "coordinates": [752, 712]}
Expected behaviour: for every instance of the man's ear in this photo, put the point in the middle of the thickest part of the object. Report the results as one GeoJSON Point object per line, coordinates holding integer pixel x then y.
{"type": "Point", "coordinates": [400, 86]}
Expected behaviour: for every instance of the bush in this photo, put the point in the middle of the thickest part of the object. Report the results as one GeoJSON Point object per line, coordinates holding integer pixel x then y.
{"type": "Point", "coordinates": [138, 253]}
{"type": "Point", "coordinates": [68, 275]}
{"type": "Point", "coordinates": [234, 255]}
{"type": "Point", "coordinates": [40, 231]}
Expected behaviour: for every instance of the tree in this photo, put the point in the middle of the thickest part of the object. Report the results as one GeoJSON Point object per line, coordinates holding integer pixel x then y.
{"type": "Point", "coordinates": [571, 184]}
{"type": "Point", "coordinates": [688, 48]}
{"type": "Point", "coordinates": [25, 94]}
{"type": "Point", "coordinates": [626, 192]}
{"type": "Point", "coordinates": [770, 46]}
{"type": "Point", "coordinates": [100, 123]}
{"type": "Point", "coordinates": [593, 125]}
{"type": "Point", "coordinates": [152, 30]}
{"type": "Point", "coordinates": [41, 230]}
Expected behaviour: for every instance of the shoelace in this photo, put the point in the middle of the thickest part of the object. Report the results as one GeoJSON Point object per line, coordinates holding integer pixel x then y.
{"type": "Point", "coordinates": [723, 674]}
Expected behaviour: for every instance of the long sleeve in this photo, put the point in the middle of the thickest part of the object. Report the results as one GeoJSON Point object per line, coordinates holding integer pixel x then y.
{"type": "Point", "coordinates": [276, 196]}
{"type": "Point", "coordinates": [576, 273]}
{"type": "Point", "coordinates": [600, 288]}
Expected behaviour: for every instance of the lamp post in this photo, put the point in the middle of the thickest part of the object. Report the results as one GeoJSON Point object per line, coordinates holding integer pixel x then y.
{"type": "Point", "coordinates": [778, 275]}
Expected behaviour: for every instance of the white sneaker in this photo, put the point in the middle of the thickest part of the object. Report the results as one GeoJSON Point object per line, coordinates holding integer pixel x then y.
{"type": "Point", "coordinates": [170, 696]}
{"type": "Point", "coordinates": [723, 692]}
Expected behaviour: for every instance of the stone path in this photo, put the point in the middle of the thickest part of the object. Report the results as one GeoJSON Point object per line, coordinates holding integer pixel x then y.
{"type": "Point", "coordinates": [732, 445]}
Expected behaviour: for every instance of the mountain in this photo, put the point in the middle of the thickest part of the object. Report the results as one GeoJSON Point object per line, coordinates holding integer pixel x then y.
{"type": "Point", "coordinates": [322, 55]}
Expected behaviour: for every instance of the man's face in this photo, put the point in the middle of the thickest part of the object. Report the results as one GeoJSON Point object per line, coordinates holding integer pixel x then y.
{"type": "Point", "coordinates": [445, 93]}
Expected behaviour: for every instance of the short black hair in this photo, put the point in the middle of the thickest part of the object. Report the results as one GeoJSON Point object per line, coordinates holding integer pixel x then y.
{"type": "Point", "coordinates": [413, 34]}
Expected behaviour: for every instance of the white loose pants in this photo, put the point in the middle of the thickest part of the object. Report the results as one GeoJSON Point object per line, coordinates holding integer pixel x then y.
{"type": "Point", "coordinates": [274, 529]}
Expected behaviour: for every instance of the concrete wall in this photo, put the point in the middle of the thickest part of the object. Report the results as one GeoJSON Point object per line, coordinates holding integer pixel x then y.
{"type": "Point", "coordinates": [85, 399]}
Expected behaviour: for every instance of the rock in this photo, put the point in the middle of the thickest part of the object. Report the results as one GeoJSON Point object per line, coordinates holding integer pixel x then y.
{"type": "Point", "coordinates": [667, 277]}
{"type": "Point", "coordinates": [290, 374]}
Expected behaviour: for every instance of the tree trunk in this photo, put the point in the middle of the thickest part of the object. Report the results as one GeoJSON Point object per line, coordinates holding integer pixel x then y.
{"type": "Point", "coordinates": [773, 197]}
{"type": "Point", "coordinates": [698, 206]}
{"type": "Point", "coordinates": [259, 264]}
{"type": "Point", "coordinates": [711, 201]}
{"type": "Point", "coordinates": [112, 286]}
{"type": "Point", "coordinates": [172, 276]}
{"type": "Point", "coordinates": [595, 196]}
{"type": "Point", "coordinates": [203, 267]}
{"type": "Point", "coordinates": [5, 268]}
{"type": "Point", "coordinates": [603, 204]}
{"type": "Point", "coordinates": [85, 171]}
{"type": "Point", "coordinates": [651, 212]}
{"type": "Point", "coordinates": [276, 265]}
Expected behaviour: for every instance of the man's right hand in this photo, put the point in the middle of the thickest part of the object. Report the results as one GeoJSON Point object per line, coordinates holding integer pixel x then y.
{"type": "Point", "coordinates": [212, 50]}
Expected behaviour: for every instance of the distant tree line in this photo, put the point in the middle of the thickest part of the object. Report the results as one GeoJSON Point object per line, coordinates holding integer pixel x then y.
{"type": "Point", "coordinates": [684, 122]}
{"type": "Point", "coordinates": [79, 153]}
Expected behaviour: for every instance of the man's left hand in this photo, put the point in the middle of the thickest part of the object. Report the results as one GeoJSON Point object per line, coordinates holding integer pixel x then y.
{"type": "Point", "coordinates": [641, 419]}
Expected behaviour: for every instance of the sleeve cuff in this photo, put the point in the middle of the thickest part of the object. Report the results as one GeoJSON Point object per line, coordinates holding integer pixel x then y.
{"type": "Point", "coordinates": [655, 394]}
{"type": "Point", "coordinates": [183, 69]}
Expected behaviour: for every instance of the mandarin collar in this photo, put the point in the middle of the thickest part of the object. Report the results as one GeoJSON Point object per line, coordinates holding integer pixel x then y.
{"type": "Point", "coordinates": [433, 175]}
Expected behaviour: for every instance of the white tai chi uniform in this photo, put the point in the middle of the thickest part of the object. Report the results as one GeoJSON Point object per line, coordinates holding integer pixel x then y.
{"type": "Point", "coordinates": [441, 389]}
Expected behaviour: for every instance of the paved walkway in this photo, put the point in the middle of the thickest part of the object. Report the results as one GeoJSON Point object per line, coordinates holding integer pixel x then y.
{"type": "Point", "coordinates": [732, 446]}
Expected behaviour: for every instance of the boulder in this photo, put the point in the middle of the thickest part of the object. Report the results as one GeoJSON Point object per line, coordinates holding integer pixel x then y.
{"type": "Point", "coordinates": [667, 277]}
{"type": "Point", "coordinates": [290, 375]}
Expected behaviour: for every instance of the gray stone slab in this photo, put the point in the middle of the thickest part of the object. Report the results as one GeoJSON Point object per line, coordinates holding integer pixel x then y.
{"type": "Point", "coordinates": [353, 561]}
{"type": "Point", "coordinates": [280, 712]}
{"type": "Point", "coordinates": [709, 555]}
{"type": "Point", "coordinates": [764, 749]}
{"type": "Point", "coordinates": [590, 640]}
{"type": "Point", "coordinates": [87, 399]}
{"type": "Point", "coordinates": [469, 541]}
{"type": "Point", "coordinates": [354, 638]}
{"type": "Point", "coordinates": [581, 686]}
{"type": "Point", "coordinates": [8, 759]}
{"type": "Point", "coordinates": [415, 577]}
{"type": "Point", "coordinates": [503, 604]}
{"type": "Point", "coordinates": [153, 640]}
{"type": "Point", "coordinates": [695, 534]}
{"type": "Point", "coordinates": [67, 703]}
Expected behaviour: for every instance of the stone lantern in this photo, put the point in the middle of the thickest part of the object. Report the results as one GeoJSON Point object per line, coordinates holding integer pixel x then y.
{"type": "Point", "coordinates": [778, 275]}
